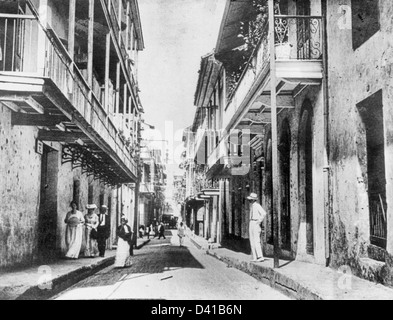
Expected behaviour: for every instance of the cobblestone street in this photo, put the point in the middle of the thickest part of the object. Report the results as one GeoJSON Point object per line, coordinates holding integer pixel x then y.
{"type": "Point", "coordinates": [163, 270]}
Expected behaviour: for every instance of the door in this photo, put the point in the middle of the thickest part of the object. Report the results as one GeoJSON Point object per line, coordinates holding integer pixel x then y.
{"type": "Point", "coordinates": [47, 219]}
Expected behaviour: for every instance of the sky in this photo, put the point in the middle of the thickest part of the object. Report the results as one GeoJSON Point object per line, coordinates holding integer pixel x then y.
{"type": "Point", "coordinates": [177, 33]}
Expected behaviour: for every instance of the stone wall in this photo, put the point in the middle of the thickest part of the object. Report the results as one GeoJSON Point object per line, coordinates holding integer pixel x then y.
{"type": "Point", "coordinates": [354, 75]}
{"type": "Point", "coordinates": [20, 176]}
{"type": "Point", "coordinates": [21, 224]}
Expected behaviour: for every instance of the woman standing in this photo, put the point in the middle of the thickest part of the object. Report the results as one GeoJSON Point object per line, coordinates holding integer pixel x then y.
{"type": "Point", "coordinates": [124, 243]}
{"type": "Point", "coordinates": [74, 231]}
{"type": "Point", "coordinates": [91, 223]}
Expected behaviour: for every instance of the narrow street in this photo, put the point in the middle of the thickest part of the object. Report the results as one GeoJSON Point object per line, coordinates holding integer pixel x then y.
{"type": "Point", "coordinates": [163, 270]}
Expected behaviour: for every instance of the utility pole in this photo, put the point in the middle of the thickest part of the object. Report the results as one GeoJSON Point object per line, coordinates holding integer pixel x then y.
{"type": "Point", "coordinates": [273, 95]}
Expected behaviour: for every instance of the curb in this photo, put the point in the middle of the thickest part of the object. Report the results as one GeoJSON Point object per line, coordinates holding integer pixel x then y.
{"type": "Point", "coordinates": [59, 283]}
{"type": "Point", "coordinates": [65, 281]}
{"type": "Point", "coordinates": [271, 277]}
{"type": "Point", "coordinates": [266, 275]}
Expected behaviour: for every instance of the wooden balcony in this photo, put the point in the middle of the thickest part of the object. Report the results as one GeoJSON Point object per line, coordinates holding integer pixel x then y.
{"type": "Point", "coordinates": [43, 87]}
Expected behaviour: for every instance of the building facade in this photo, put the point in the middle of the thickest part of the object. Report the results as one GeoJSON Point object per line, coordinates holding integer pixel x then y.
{"type": "Point", "coordinates": [69, 112]}
{"type": "Point", "coordinates": [153, 182]}
{"type": "Point", "coordinates": [303, 122]}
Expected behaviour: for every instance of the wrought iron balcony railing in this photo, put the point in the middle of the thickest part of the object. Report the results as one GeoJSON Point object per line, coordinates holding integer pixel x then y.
{"type": "Point", "coordinates": [298, 37]}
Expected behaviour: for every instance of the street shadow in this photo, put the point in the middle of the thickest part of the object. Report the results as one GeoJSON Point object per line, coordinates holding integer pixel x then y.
{"type": "Point", "coordinates": [158, 257]}
{"type": "Point", "coordinates": [237, 245]}
{"type": "Point", "coordinates": [286, 264]}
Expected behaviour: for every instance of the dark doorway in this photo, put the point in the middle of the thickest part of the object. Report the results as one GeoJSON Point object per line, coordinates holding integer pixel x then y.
{"type": "Point", "coordinates": [285, 172]}
{"type": "Point", "coordinates": [47, 219]}
{"type": "Point", "coordinates": [269, 190]}
{"type": "Point", "coordinates": [306, 172]}
{"type": "Point", "coordinates": [371, 112]}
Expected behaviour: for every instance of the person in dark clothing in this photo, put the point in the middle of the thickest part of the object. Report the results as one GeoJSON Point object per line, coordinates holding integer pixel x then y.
{"type": "Point", "coordinates": [161, 230]}
{"type": "Point", "coordinates": [103, 230]}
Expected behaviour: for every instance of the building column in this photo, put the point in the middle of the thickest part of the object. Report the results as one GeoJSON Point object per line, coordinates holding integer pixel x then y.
{"type": "Point", "coordinates": [42, 39]}
{"type": "Point", "coordinates": [107, 62]}
{"type": "Point", "coordinates": [90, 45]}
{"type": "Point", "coordinates": [71, 42]}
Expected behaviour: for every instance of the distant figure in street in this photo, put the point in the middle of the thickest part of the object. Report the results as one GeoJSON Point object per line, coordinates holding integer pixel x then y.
{"type": "Point", "coordinates": [74, 231]}
{"type": "Point", "coordinates": [156, 229]}
{"type": "Point", "coordinates": [124, 243]}
{"type": "Point", "coordinates": [141, 231]}
{"type": "Point", "coordinates": [181, 232]}
{"type": "Point", "coordinates": [91, 223]}
{"type": "Point", "coordinates": [103, 230]}
{"type": "Point", "coordinates": [161, 230]}
{"type": "Point", "coordinates": [151, 231]}
{"type": "Point", "coordinates": [257, 215]}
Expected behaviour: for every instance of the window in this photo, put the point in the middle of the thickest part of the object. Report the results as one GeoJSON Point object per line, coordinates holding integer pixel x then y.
{"type": "Point", "coordinates": [371, 112]}
{"type": "Point", "coordinates": [365, 21]}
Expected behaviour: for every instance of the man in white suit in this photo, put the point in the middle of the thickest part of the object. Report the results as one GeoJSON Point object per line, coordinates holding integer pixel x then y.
{"type": "Point", "coordinates": [257, 215]}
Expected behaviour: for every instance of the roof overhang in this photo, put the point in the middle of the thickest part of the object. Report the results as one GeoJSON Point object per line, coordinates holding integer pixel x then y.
{"type": "Point", "coordinates": [136, 18]}
{"type": "Point", "coordinates": [234, 13]}
{"type": "Point", "coordinates": [208, 76]}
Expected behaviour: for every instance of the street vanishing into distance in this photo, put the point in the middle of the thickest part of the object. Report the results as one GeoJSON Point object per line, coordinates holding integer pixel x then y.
{"type": "Point", "coordinates": [164, 270]}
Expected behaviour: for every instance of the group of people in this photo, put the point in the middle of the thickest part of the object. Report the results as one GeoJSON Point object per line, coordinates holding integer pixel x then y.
{"type": "Point", "coordinates": [155, 231]}
{"type": "Point", "coordinates": [159, 231]}
{"type": "Point", "coordinates": [95, 226]}
{"type": "Point", "coordinates": [97, 230]}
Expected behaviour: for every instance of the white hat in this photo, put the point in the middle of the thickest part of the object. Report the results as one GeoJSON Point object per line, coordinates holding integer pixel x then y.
{"type": "Point", "coordinates": [91, 207]}
{"type": "Point", "coordinates": [253, 196]}
{"type": "Point", "coordinates": [104, 207]}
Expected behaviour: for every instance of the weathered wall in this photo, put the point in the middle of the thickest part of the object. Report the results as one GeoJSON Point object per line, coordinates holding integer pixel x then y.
{"type": "Point", "coordinates": [20, 174]}
{"type": "Point", "coordinates": [355, 75]}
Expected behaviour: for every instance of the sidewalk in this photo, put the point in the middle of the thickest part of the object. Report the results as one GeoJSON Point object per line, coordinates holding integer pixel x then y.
{"type": "Point", "coordinates": [300, 280]}
{"type": "Point", "coordinates": [43, 282]}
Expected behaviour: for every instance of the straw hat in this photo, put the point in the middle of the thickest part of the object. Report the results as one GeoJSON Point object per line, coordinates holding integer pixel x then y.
{"type": "Point", "coordinates": [252, 196]}
{"type": "Point", "coordinates": [91, 207]}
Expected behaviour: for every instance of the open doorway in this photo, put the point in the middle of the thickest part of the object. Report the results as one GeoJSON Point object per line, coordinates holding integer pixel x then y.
{"type": "Point", "coordinates": [47, 219]}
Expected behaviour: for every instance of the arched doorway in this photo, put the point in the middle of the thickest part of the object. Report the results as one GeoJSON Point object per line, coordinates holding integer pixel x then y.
{"type": "Point", "coordinates": [284, 148]}
{"type": "Point", "coordinates": [306, 173]}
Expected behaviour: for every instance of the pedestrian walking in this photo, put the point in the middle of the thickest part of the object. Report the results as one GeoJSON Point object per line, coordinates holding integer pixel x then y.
{"type": "Point", "coordinates": [161, 230]}
{"type": "Point", "coordinates": [181, 232]}
{"type": "Point", "coordinates": [103, 230]}
{"type": "Point", "coordinates": [124, 243]}
{"type": "Point", "coordinates": [74, 231]}
{"type": "Point", "coordinates": [257, 215]}
{"type": "Point", "coordinates": [91, 233]}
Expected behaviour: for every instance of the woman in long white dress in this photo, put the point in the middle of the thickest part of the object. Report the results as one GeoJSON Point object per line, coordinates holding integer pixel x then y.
{"type": "Point", "coordinates": [74, 231]}
{"type": "Point", "coordinates": [91, 223]}
{"type": "Point", "coordinates": [124, 233]}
